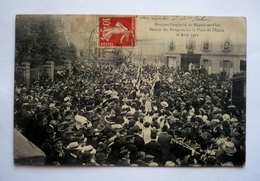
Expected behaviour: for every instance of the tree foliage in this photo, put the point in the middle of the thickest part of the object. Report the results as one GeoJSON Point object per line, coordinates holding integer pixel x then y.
{"type": "Point", "coordinates": [38, 41]}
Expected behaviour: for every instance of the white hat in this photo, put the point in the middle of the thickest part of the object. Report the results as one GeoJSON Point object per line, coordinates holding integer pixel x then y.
{"type": "Point", "coordinates": [233, 120]}
{"type": "Point", "coordinates": [170, 164]}
{"type": "Point", "coordinates": [81, 119]}
{"type": "Point", "coordinates": [215, 120]}
{"type": "Point", "coordinates": [66, 99]}
{"type": "Point", "coordinates": [226, 117]}
{"type": "Point", "coordinates": [108, 92]}
{"type": "Point", "coordinates": [52, 105]}
{"type": "Point", "coordinates": [73, 146]}
{"type": "Point", "coordinates": [116, 126]}
{"type": "Point", "coordinates": [89, 148]}
{"type": "Point", "coordinates": [229, 148]}
{"type": "Point", "coordinates": [205, 118]}
{"type": "Point", "coordinates": [164, 104]}
{"type": "Point", "coordinates": [153, 164]}
{"type": "Point", "coordinates": [227, 164]}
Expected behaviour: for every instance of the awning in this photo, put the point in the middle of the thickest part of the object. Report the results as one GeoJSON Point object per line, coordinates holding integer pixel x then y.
{"type": "Point", "coordinates": [25, 152]}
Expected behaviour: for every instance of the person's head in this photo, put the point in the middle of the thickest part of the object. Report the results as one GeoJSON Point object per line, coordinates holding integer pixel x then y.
{"type": "Point", "coordinates": [125, 154]}
{"type": "Point", "coordinates": [86, 157]}
{"type": "Point", "coordinates": [57, 143]}
{"type": "Point", "coordinates": [149, 158]}
{"type": "Point", "coordinates": [100, 158]}
{"type": "Point", "coordinates": [130, 138]}
{"type": "Point", "coordinates": [136, 129]}
{"type": "Point", "coordinates": [153, 135]}
{"type": "Point", "coordinates": [52, 136]}
{"type": "Point", "coordinates": [73, 147]}
{"type": "Point", "coordinates": [23, 94]}
{"type": "Point", "coordinates": [141, 155]}
{"type": "Point", "coordinates": [164, 128]}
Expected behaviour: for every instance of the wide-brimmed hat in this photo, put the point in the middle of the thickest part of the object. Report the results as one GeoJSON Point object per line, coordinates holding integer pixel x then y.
{"type": "Point", "coordinates": [149, 157]}
{"type": "Point", "coordinates": [136, 128]}
{"type": "Point", "coordinates": [129, 136]}
{"type": "Point", "coordinates": [170, 164]}
{"type": "Point", "coordinates": [56, 140]}
{"type": "Point", "coordinates": [63, 126]}
{"type": "Point", "coordinates": [226, 117]}
{"type": "Point", "coordinates": [90, 149]}
{"type": "Point", "coordinates": [66, 99]}
{"type": "Point", "coordinates": [233, 120]}
{"type": "Point", "coordinates": [86, 157]}
{"type": "Point", "coordinates": [123, 152]}
{"type": "Point", "coordinates": [101, 147]}
{"type": "Point", "coordinates": [153, 164]}
{"type": "Point", "coordinates": [229, 148]}
{"type": "Point", "coordinates": [164, 104]}
{"type": "Point", "coordinates": [100, 156]}
{"type": "Point", "coordinates": [228, 164]}
{"type": "Point", "coordinates": [73, 146]}
{"type": "Point", "coordinates": [81, 119]}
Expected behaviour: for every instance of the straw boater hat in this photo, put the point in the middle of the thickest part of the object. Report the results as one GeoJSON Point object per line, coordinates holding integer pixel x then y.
{"type": "Point", "coordinates": [226, 117]}
{"type": "Point", "coordinates": [73, 146]}
{"type": "Point", "coordinates": [90, 149]}
{"type": "Point", "coordinates": [83, 120]}
{"type": "Point", "coordinates": [229, 148]}
{"type": "Point", "coordinates": [227, 164]}
{"type": "Point", "coordinates": [164, 104]}
{"type": "Point", "coordinates": [170, 164]}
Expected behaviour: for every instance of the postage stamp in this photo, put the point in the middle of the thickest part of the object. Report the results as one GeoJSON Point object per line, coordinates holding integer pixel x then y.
{"type": "Point", "coordinates": [116, 31]}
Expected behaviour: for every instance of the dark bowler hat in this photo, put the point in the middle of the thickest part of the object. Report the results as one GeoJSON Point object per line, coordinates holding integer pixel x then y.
{"type": "Point", "coordinates": [86, 157]}
{"type": "Point", "coordinates": [165, 128]}
{"type": "Point", "coordinates": [147, 124]}
{"type": "Point", "coordinates": [124, 151]}
{"type": "Point", "coordinates": [100, 156]}
{"type": "Point", "coordinates": [149, 157]}
{"type": "Point", "coordinates": [136, 128]}
{"type": "Point", "coordinates": [129, 136]}
{"type": "Point", "coordinates": [56, 140]}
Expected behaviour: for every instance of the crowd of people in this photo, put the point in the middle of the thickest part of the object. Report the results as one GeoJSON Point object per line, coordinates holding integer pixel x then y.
{"type": "Point", "coordinates": [103, 115]}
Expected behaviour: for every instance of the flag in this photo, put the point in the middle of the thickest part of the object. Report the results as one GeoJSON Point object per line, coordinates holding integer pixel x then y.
{"type": "Point", "coordinates": [157, 83]}
{"type": "Point", "coordinates": [139, 78]}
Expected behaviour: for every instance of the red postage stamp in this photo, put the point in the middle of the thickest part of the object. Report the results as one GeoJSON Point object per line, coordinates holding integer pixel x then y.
{"type": "Point", "coordinates": [116, 31]}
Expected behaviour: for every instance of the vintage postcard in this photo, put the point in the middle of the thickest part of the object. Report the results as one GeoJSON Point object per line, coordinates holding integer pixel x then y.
{"type": "Point", "coordinates": [130, 90]}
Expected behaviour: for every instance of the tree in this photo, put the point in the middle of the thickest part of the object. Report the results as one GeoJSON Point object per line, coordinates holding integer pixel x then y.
{"type": "Point", "coordinates": [38, 41]}
{"type": "Point", "coordinates": [72, 52]}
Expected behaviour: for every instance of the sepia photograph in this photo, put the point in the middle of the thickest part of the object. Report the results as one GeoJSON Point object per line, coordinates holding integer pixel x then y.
{"type": "Point", "coordinates": [130, 91]}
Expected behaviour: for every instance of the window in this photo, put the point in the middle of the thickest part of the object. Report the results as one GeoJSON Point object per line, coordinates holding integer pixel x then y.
{"type": "Point", "coordinates": [231, 64]}
{"type": "Point", "coordinates": [206, 46]}
{"type": "Point", "coordinates": [226, 46]}
{"type": "Point", "coordinates": [242, 65]}
{"type": "Point", "coordinates": [226, 66]}
{"type": "Point", "coordinates": [206, 63]}
{"type": "Point", "coordinates": [190, 47]}
{"type": "Point", "coordinates": [171, 46]}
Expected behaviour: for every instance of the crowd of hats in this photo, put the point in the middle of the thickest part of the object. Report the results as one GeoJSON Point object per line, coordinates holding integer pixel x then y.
{"type": "Point", "coordinates": [95, 114]}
